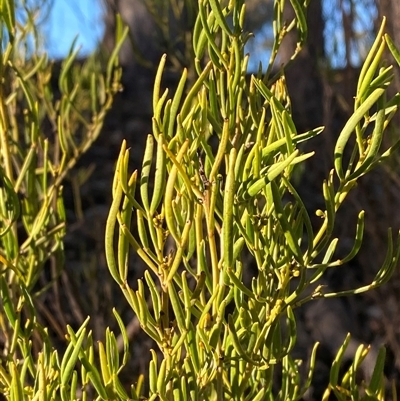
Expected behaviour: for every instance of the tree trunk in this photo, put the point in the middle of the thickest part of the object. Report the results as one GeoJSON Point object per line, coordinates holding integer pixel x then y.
{"type": "Point", "coordinates": [140, 48]}
{"type": "Point", "coordinates": [304, 76]}
{"type": "Point", "coordinates": [391, 9]}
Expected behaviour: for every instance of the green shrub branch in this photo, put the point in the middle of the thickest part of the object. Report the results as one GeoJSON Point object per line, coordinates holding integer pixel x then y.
{"type": "Point", "coordinates": [229, 246]}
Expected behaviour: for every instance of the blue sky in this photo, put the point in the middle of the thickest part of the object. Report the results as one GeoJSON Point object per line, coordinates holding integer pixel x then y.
{"type": "Point", "coordinates": [69, 18]}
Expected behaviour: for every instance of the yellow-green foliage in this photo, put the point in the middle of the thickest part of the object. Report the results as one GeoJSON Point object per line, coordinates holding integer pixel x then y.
{"type": "Point", "coordinates": [198, 210]}
{"type": "Point", "coordinates": [34, 161]}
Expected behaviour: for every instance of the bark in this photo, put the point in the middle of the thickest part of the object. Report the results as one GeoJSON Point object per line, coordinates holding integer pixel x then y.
{"type": "Point", "coordinates": [155, 27]}
{"type": "Point", "coordinates": [303, 77]}
{"type": "Point", "coordinates": [142, 30]}
{"type": "Point", "coordinates": [388, 198]}
{"type": "Point", "coordinates": [391, 9]}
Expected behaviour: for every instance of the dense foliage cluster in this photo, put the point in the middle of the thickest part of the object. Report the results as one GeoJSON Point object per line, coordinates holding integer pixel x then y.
{"type": "Point", "coordinates": [215, 196]}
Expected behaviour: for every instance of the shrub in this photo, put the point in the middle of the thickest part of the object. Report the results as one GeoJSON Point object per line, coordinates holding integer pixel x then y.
{"type": "Point", "coordinates": [214, 196]}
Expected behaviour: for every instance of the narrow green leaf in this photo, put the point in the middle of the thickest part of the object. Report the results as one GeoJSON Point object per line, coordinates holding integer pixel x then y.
{"type": "Point", "coordinates": [370, 58]}
{"type": "Point", "coordinates": [393, 49]}
{"type": "Point", "coordinates": [104, 366]}
{"type": "Point", "coordinates": [157, 82]}
{"type": "Point", "coordinates": [70, 358]}
{"type": "Point", "coordinates": [160, 176]}
{"type": "Point", "coordinates": [377, 380]}
{"type": "Point", "coordinates": [229, 193]}
{"type": "Point", "coordinates": [219, 16]}
{"type": "Point", "coordinates": [301, 21]}
{"type": "Point", "coordinates": [349, 129]}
